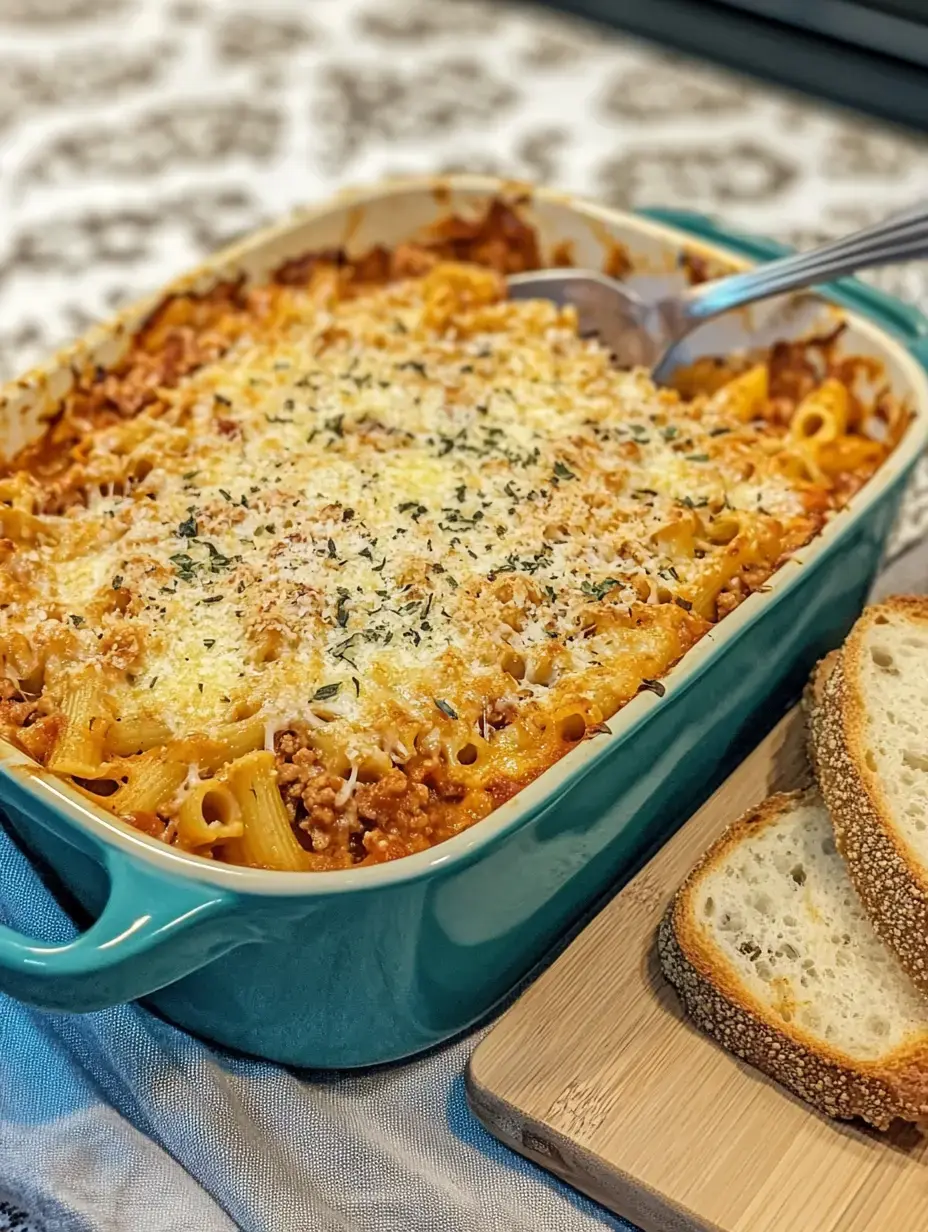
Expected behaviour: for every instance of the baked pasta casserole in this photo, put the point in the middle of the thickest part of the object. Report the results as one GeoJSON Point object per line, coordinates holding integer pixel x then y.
{"type": "Point", "coordinates": [323, 570]}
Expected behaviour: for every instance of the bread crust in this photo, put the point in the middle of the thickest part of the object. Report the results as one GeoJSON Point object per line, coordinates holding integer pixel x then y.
{"type": "Point", "coordinates": [812, 696]}
{"type": "Point", "coordinates": [892, 885]}
{"type": "Point", "coordinates": [713, 996]}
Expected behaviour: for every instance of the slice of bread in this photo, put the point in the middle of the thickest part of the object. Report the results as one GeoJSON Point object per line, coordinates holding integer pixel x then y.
{"type": "Point", "coordinates": [773, 955]}
{"type": "Point", "coordinates": [868, 738]}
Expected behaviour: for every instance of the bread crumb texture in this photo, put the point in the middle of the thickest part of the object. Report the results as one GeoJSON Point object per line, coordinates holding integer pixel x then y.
{"type": "Point", "coordinates": [773, 954]}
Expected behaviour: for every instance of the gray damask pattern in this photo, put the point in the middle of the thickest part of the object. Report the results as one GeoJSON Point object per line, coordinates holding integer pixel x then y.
{"type": "Point", "coordinates": [94, 239]}
{"type": "Point", "coordinates": [31, 84]}
{"type": "Point", "coordinates": [641, 94]}
{"type": "Point", "coordinates": [388, 103]}
{"type": "Point", "coordinates": [244, 37]}
{"type": "Point", "coordinates": [42, 13]}
{"type": "Point", "coordinates": [419, 21]}
{"type": "Point", "coordinates": [702, 174]}
{"type": "Point", "coordinates": [188, 134]}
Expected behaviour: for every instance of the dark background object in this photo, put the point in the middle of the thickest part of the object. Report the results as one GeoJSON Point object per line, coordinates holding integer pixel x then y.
{"type": "Point", "coordinates": [868, 54]}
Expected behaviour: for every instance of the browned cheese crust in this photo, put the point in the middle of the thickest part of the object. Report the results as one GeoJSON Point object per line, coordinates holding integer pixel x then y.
{"type": "Point", "coordinates": [720, 1006]}
{"type": "Point", "coordinates": [891, 885]}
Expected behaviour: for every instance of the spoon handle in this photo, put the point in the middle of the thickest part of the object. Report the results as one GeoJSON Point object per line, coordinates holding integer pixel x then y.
{"type": "Point", "coordinates": [898, 238]}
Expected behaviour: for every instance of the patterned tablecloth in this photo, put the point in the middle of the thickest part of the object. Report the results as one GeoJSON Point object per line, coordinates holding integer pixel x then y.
{"type": "Point", "coordinates": [136, 135]}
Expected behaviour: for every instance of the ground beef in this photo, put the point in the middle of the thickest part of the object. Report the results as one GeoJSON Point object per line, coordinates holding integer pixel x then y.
{"type": "Point", "coordinates": [396, 803]}
{"type": "Point", "coordinates": [391, 817]}
{"type": "Point", "coordinates": [309, 792]}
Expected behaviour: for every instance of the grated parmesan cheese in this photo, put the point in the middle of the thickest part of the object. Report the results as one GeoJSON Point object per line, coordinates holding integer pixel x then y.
{"type": "Point", "coordinates": [354, 513]}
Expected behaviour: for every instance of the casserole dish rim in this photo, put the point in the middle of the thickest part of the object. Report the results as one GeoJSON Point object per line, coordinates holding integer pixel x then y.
{"type": "Point", "coordinates": [550, 786]}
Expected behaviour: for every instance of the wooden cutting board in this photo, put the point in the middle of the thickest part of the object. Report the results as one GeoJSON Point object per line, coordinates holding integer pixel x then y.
{"type": "Point", "coordinates": [595, 1074]}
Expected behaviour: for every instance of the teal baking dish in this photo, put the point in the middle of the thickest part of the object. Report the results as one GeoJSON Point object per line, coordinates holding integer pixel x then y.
{"type": "Point", "coordinates": [364, 966]}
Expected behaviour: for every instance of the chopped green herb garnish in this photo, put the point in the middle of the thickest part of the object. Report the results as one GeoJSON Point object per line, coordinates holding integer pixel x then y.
{"type": "Point", "coordinates": [217, 560]}
{"type": "Point", "coordinates": [186, 566]}
{"type": "Point", "coordinates": [599, 589]}
{"type": "Point", "coordinates": [325, 692]}
{"type": "Point", "coordinates": [445, 708]}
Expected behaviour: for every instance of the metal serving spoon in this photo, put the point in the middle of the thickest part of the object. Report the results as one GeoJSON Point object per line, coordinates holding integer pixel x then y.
{"type": "Point", "coordinates": [643, 331]}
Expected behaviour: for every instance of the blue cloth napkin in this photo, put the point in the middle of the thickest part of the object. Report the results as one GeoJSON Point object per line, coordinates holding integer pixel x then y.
{"type": "Point", "coordinates": [119, 1122]}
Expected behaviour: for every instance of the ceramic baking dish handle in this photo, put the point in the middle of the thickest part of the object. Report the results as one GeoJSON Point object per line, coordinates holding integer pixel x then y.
{"type": "Point", "coordinates": [900, 319]}
{"type": "Point", "coordinates": [152, 931]}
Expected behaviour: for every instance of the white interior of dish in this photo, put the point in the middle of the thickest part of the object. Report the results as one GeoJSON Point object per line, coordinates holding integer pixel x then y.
{"type": "Point", "coordinates": [388, 215]}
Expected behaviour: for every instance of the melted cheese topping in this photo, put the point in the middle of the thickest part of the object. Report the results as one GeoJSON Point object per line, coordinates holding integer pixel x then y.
{"type": "Point", "coordinates": [402, 519]}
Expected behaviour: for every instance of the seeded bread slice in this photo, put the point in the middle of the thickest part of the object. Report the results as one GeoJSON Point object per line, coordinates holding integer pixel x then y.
{"type": "Point", "coordinates": [772, 954]}
{"type": "Point", "coordinates": [868, 737]}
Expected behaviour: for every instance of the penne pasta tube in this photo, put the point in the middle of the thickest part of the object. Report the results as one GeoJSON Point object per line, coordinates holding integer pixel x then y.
{"type": "Point", "coordinates": [267, 839]}
{"type": "Point", "coordinates": [746, 396]}
{"type": "Point", "coordinates": [230, 742]}
{"type": "Point", "coordinates": [822, 415]}
{"type": "Point", "coordinates": [85, 722]}
{"type": "Point", "coordinates": [136, 734]}
{"type": "Point", "coordinates": [147, 782]}
{"type": "Point", "coordinates": [209, 813]}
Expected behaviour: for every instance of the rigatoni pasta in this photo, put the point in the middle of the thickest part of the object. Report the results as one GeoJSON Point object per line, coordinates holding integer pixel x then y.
{"type": "Point", "coordinates": [267, 839]}
{"type": "Point", "coordinates": [326, 569]}
{"type": "Point", "coordinates": [84, 722]}
{"type": "Point", "coordinates": [208, 813]}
